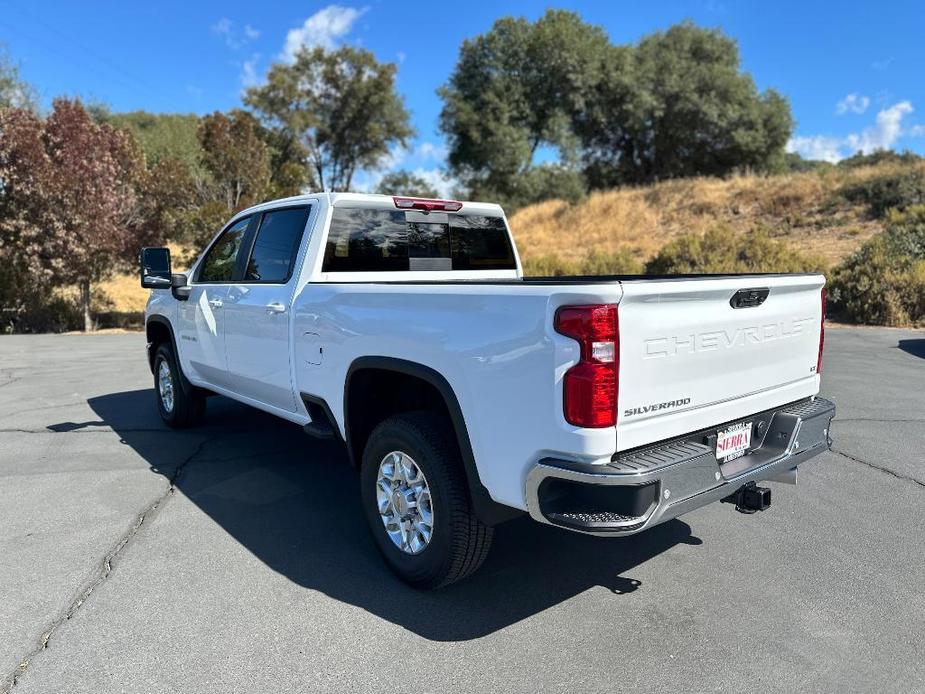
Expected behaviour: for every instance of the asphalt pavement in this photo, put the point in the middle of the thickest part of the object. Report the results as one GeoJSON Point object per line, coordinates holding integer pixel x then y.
{"type": "Point", "coordinates": [234, 557]}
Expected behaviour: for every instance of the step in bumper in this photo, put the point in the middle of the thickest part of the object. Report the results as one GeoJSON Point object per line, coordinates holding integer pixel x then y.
{"type": "Point", "coordinates": [644, 487]}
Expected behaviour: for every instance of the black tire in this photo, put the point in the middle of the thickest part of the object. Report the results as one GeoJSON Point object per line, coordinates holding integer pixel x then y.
{"type": "Point", "coordinates": [189, 402]}
{"type": "Point", "coordinates": [460, 542]}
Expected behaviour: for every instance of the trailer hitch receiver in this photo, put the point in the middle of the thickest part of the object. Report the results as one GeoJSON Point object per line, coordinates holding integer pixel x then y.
{"type": "Point", "coordinates": [750, 498]}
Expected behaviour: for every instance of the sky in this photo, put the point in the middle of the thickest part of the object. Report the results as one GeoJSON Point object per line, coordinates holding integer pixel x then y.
{"type": "Point", "coordinates": [853, 71]}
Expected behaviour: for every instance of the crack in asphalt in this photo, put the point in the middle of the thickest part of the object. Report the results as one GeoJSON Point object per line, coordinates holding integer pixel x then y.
{"type": "Point", "coordinates": [47, 407]}
{"type": "Point", "coordinates": [887, 470]}
{"type": "Point", "coordinates": [106, 568]}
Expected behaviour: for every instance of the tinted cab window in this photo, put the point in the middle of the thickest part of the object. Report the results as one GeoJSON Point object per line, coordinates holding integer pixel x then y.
{"type": "Point", "coordinates": [276, 245]}
{"type": "Point", "coordinates": [219, 263]}
{"type": "Point", "coordinates": [381, 240]}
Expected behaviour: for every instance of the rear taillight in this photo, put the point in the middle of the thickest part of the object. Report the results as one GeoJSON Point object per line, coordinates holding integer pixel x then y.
{"type": "Point", "coordinates": [821, 335]}
{"type": "Point", "coordinates": [590, 387]}
{"type": "Point", "coordinates": [426, 204]}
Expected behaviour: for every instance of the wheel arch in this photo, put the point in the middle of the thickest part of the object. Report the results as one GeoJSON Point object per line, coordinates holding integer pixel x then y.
{"type": "Point", "coordinates": [157, 331]}
{"type": "Point", "coordinates": [365, 371]}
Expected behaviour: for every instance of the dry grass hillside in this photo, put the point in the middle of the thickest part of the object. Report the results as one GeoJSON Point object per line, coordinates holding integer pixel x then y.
{"type": "Point", "coordinates": [804, 210]}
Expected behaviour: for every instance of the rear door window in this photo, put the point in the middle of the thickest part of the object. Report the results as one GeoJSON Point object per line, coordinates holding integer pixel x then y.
{"type": "Point", "coordinates": [276, 245]}
{"type": "Point", "coordinates": [220, 260]}
{"type": "Point", "coordinates": [382, 240]}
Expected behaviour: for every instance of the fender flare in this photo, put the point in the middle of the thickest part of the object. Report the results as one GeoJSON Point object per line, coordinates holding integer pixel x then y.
{"type": "Point", "coordinates": [161, 320]}
{"type": "Point", "coordinates": [487, 509]}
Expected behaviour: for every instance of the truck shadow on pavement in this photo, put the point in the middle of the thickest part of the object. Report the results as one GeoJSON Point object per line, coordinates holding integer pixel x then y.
{"type": "Point", "coordinates": [915, 347]}
{"type": "Point", "coordinates": [293, 502]}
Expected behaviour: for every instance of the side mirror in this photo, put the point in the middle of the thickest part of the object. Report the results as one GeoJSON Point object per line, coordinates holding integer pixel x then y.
{"type": "Point", "coordinates": [155, 268]}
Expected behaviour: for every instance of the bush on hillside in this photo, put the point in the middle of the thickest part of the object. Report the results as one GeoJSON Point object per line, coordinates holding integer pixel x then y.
{"type": "Point", "coordinates": [879, 156]}
{"type": "Point", "coordinates": [621, 262]}
{"type": "Point", "coordinates": [597, 262]}
{"type": "Point", "coordinates": [897, 191]}
{"type": "Point", "coordinates": [883, 283]}
{"type": "Point", "coordinates": [721, 250]}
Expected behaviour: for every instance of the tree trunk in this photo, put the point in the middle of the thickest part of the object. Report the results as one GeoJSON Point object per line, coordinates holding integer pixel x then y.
{"type": "Point", "coordinates": [85, 305]}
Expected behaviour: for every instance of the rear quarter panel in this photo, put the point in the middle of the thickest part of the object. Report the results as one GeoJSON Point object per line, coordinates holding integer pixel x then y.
{"type": "Point", "coordinates": [494, 344]}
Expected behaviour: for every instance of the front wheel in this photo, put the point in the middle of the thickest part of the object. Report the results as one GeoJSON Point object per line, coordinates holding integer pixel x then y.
{"type": "Point", "coordinates": [179, 407]}
{"type": "Point", "coordinates": [416, 501]}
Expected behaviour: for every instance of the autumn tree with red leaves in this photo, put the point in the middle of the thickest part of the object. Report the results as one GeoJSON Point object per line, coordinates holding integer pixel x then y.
{"type": "Point", "coordinates": [70, 213]}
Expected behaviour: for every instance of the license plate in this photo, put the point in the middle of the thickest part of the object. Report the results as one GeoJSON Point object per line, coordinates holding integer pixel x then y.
{"type": "Point", "coordinates": [732, 443]}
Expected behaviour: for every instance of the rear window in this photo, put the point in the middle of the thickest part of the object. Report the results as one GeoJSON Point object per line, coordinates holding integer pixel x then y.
{"type": "Point", "coordinates": [379, 240]}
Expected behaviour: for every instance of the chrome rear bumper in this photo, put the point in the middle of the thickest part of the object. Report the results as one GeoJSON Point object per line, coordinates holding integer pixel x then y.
{"type": "Point", "coordinates": [647, 486]}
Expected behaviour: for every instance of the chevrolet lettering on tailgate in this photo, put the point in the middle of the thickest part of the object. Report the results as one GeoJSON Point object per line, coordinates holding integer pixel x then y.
{"type": "Point", "coordinates": [724, 339]}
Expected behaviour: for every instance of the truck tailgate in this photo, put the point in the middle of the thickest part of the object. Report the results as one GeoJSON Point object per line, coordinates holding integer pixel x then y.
{"type": "Point", "coordinates": [689, 360]}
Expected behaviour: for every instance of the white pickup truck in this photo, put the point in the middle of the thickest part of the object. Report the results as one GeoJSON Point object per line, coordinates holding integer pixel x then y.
{"type": "Point", "coordinates": [467, 394]}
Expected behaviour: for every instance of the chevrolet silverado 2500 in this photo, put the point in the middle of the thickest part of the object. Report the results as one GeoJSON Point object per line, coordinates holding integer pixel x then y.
{"type": "Point", "coordinates": [467, 394]}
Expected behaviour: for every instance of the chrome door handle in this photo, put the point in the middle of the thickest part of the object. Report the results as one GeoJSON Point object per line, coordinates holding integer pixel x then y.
{"type": "Point", "coordinates": [276, 307]}
{"type": "Point", "coordinates": [216, 303]}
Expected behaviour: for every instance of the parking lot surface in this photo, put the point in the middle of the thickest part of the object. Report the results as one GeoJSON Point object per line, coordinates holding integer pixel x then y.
{"type": "Point", "coordinates": [234, 557]}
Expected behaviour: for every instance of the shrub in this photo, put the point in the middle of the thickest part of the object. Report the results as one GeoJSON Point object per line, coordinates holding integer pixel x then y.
{"type": "Point", "coordinates": [721, 250]}
{"type": "Point", "coordinates": [621, 262]}
{"type": "Point", "coordinates": [54, 315]}
{"type": "Point", "coordinates": [898, 191]}
{"type": "Point", "coordinates": [549, 266]}
{"type": "Point", "coordinates": [883, 283]}
{"type": "Point", "coordinates": [879, 156]}
{"type": "Point", "coordinates": [597, 262]}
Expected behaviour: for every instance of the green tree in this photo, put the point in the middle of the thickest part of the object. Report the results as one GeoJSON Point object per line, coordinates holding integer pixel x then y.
{"type": "Point", "coordinates": [161, 135]}
{"type": "Point", "coordinates": [236, 157]}
{"type": "Point", "coordinates": [679, 105]}
{"type": "Point", "coordinates": [288, 173]}
{"type": "Point", "coordinates": [14, 92]}
{"type": "Point", "coordinates": [676, 104]}
{"type": "Point", "coordinates": [68, 199]}
{"type": "Point", "coordinates": [514, 90]}
{"type": "Point", "coordinates": [406, 183]}
{"type": "Point", "coordinates": [340, 107]}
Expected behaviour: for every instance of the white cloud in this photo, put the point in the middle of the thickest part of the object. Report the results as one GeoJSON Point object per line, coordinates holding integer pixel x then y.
{"type": "Point", "coordinates": [401, 57]}
{"type": "Point", "coordinates": [856, 103]}
{"type": "Point", "coordinates": [881, 65]}
{"type": "Point", "coordinates": [249, 76]}
{"type": "Point", "coordinates": [817, 147]}
{"type": "Point", "coordinates": [233, 38]}
{"type": "Point", "coordinates": [222, 27]}
{"type": "Point", "coordinates": [885, 132]}
{"type": "Point", "coordinates": [423, 153]}
{"type": "Point", "coordinates": [429, 150]}
{"type": "Point", "coordinates": [324, 28]}
{"type": "Point", "coordinates": [393, 159]}
{"type": "Point", "coordinates": [887, 129]}
{"type": "Point", "coordinates": [439, 180]}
